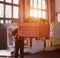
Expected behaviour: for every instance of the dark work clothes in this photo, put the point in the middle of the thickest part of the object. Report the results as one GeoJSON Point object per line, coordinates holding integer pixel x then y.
{"type": "Point", "coordinates": [19, 44]}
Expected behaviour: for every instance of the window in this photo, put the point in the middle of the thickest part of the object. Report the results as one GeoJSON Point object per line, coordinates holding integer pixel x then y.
{"type": "Point", "coordinates": [1, 21]}
{"type": "Point", "coordinates": [7, 21]}
{"type": "Point", "coordinates": [9, 10]}
{"type": "Point", "coordinates": [15, 12]}
{"type": "Point", "coordinates": [15, 1]}
{"type": "Point", "coordinates": [9, 1]}
{"type": "Point", "coordinates": [38, 8]}
{"type": "Point", "coordinates": [1, 0]}
{"type": "Point", "coordinates": [58, 16]}
{"type": "Point", "coordinates": [1, 10]}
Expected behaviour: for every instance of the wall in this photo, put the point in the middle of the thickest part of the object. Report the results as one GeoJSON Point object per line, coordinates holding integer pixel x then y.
{"type": "Point", "coordinates": [56, 29]}
{"type": "Point", "coordinates": [3, 36]}
{"type": "Point", "coordinates": [57, 2]}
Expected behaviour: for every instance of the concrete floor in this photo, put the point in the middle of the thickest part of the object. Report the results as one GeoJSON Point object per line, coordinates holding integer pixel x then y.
{"type": "Point", "coordinates": [43, 54]}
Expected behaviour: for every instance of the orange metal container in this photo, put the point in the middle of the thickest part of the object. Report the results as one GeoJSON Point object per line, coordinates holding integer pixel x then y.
{"type": "Point", "coordinates": [34, 30]}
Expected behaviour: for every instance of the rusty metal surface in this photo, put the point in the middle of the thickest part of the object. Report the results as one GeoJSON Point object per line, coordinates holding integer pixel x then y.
{"type": "Point", "coordinates": [34, 30]}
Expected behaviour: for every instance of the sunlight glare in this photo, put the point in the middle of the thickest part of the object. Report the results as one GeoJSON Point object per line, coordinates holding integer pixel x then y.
{"type": "Point", "coordinates": [33, 13]}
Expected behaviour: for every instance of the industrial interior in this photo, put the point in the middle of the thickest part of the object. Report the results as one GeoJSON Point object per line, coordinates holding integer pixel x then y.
{"type": "Point", "coordinates": [38, 22]}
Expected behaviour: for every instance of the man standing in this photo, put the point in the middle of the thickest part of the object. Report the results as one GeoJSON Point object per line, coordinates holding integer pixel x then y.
{"type": "Point", "coordinates": [19, 43]}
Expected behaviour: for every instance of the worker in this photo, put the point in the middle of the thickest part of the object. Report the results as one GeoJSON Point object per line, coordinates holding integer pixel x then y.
{"type": "Point", "coordinates": [19, 43]}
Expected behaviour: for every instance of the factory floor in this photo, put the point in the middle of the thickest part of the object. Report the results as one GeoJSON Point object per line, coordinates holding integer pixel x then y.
{"type": "Point", "coordinates": [42, 54]}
